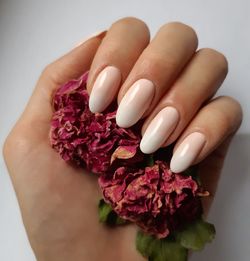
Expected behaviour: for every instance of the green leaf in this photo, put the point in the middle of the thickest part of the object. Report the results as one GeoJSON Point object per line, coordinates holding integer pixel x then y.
{"type": "Point", "coordinates": [120, 221]}
{"type": "Point", "coordinates": [170, 251]}
{"type": "Point", "coordinates": [145, 243]}
{"type": "Point", "coordinates": [191, 171]}
{"type": "Point", "coordinates": [104, 211]}
{"type": "Point", "coordinates": [150, 160]}
{"type": "Point", "coordinates": [196, 235]}
{"type": "Point", "coordinates": [160, 249]}
{"type": "Point", "coordinates": [108, 216]}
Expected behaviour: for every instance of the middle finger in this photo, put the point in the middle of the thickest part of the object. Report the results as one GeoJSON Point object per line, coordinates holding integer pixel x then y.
{"type": "Point", "coordinates": [155, 71]}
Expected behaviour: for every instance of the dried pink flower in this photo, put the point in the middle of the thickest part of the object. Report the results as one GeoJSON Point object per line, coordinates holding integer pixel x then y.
{"type": "Point", "coordinates": [90, 140]}
{"type": "Point", "coordinates": [156, 199]}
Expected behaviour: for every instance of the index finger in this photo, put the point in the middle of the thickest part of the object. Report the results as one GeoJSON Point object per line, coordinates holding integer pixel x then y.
{"type": "Point", "coordinates": [70, 66]}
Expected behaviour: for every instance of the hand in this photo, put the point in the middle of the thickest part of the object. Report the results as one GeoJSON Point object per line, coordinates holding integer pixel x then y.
{"type": "Point", "coordinates": [59, 202]}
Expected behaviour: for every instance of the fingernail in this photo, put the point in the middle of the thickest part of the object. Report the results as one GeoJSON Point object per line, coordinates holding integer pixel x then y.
{"type": "Point", "coordinates": [100, 34]}
{"type": "Point", "coordinates": [159, 130]}
{"type": "Point", "coordinates": [187, 152]}
{"type": "Point", "coordinates": [104, 89]}
{"type": "Point", "coordinates": [135, 102]}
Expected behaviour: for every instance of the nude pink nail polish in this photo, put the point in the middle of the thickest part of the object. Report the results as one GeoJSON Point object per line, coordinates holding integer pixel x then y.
{"type": "Point", "coordinates": [104, 89]}
{"type": "Point", "coordinates": [135, 102]}
{"type": "Point", "coordinates": [187, 151]}
{"type": "Point", "coordinates": [159, 129]}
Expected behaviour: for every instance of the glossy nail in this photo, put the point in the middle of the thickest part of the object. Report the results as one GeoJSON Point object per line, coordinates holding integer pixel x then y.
{"type": "Point", "coordinates": [159, 130]}
{"type": "Point", "coordinates": [187, 152]}
{"type": "Point", "coordinates": [104, 89]}
{"type": "Point", "coordinates": [135, 102]}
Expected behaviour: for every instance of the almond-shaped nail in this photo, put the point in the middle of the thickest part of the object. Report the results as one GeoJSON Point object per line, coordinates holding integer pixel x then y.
{"type": "Point", "coordinates": [187, 152]}
{"type": "Point", "coordinates": [159, 130]}
{"type": "Point", "coordinates": [104, 89]}
{"type": "Point", "coordinates": [100, 34]}
{"type": "Point", "coordinates": [135, 102]}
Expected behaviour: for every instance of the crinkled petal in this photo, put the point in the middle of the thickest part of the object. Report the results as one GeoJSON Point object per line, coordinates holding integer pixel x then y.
{"type": "Point", "coordinates": [90, 140]}
{"type": "Point", "coordinates": [156, 199]}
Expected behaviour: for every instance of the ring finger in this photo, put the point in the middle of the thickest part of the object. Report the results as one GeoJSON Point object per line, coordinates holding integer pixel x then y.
{"type": "Point", "coordinates": [196, 84]}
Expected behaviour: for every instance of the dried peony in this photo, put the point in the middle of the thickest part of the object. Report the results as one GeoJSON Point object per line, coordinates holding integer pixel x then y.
{"type": "Point", "coordinates": [156, 199]}
{"type": "Point", "coordinates": [159, 201]}
{"type": "Point", "coordinates": [165, 205]}
{"type": "Point", "coordinates": [90, 140]}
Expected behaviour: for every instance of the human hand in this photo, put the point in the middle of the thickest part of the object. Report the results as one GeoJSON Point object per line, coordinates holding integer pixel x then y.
{"type": "Point", "coordinates": [58, 202]}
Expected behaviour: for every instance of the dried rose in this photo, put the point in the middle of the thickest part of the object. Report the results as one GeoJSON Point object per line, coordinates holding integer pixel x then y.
{"type": "Point", "coordinates": [156, 199]}
{"type": "Point", "coordinates": [90, 140]}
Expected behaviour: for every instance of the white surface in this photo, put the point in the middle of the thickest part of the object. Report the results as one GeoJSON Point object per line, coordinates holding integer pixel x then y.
{"type": "Point", "coordinates": [33, 33]}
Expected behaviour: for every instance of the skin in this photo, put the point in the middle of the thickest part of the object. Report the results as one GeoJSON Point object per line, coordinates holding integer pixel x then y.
{"type": "Point", "coordinates": [58, 202]}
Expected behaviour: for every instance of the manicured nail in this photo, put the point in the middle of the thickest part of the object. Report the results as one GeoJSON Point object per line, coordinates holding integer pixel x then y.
{"type": "Point", "coordinates": [104, 89]}
{"type": "Point", "coordinates": [159, 130]}
{"type": "Point", "coordinates": [100, 34]}
{"type": "Point", "coordinates": [135, 102]}
{"type": "Point", "coordinates": [187, 152]}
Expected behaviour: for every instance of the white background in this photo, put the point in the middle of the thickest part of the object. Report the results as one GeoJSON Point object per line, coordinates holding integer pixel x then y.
{"type": "Point", "coordinates": [34, 33]}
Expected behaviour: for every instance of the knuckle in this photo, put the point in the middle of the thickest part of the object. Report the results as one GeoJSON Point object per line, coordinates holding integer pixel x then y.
{"type": "Point", "coordinates": [50, 74]}
{"type": "Point", "coordinates": [154, 64]}
{"type": "Point", "coordinates": [6, 147]}
{"type": "Point", "coordinates": [47, 71]}
{"type": "Point", "coordinates": [9, 147]}
{"type": "Point", "coordinates": [15, 145]}
{"type": "Point", "coordinates": [233, 102]}
{"type": "Point", "coordinates": [222, 120]}
{"type": "Point", "coordinates": [181, 27]}
{"type": "Point", "coordinates": [231, 113]}
{"type": "Point", "coordinates": [132, 22]}
{"type": "Point", "coordinates": [218, 58]}
{"type": "Point", "coordinates": [236, 108]}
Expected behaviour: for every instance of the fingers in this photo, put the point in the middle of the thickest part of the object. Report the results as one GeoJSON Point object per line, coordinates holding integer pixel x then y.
{"type": "Point", "coordinates": [120, 49]}
{"type": "Point", "coordinates": [73, 64]}
{"type": "Point", "coordinates": [68, 67]}
{"type": "Point", "coordinates": [155, 71]}
{"type": "Point", "coordinates": [196, 84]}
{"type": "Point", "coordinates": [213, 124]}
{"type": "Point", "coordinates": [210, 170]}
